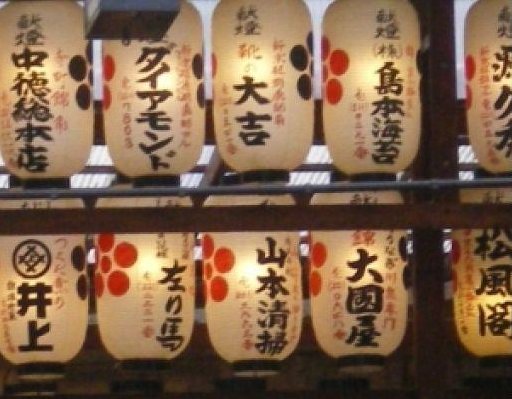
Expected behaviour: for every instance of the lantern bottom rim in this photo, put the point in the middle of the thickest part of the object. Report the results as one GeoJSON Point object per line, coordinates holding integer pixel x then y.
{"type": "Point", "coordinates": [40, 371]}
{"type": "Point", "coordinates": [361, 364]}
{"type": "Point", "coordinates": [256, 368]}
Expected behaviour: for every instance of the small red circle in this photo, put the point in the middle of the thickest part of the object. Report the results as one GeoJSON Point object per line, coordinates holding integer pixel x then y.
{"type": "Point", "coordinates": [470, 67]}
{"type": "Point", "coordinates": [224, 260]}
{"type": "Point", "coordinates": [99, 285]}
{"type": "Point", "coordinates": [207, 270]}
{"type": "Point", "coordinates": [469, 97]}
{"type": "Point", "coordinates": [208, 246]}
{"type": "Point", "coordinates": [334, 91]}
{"type": "Point", "coordinates": [315, 283]}
{"type": "Point", "coordinates": [125, 254]}
{"type": "Point", "coordinates": [219, 289]}
{"type": "Point", "coordinates": [118, 283]}
{"type": "Point", "coordinates": [339, 62]}
{"type": "Point", "coordinates": [455, 252]}
{"type": "Point", "coordinates": [326, 48]}
{"type": "Point", "coordinates": [107, 98]}
{"type": "Point", "coordinates": [106, 264]}
{"type": "Point", "coordinates": [105, 242]}
{"type": "Point", "coordinates": [214, 65]}
{"type": "Point", "coordinates": [318, 254]}
{"type": "Point", "coordinates": [109, 67]}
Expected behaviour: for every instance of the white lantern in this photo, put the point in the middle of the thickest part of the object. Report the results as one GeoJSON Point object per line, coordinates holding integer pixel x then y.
{"type": "Point", "coordinates": [44, 292]}
{"type": "Point", "coordinates": [154, 99]}
{"type": "Point", "coordinates": [253, 292]}
{"type": "Point", "coordinates": [489, 78]}
{"type": "Point", "coordinates": [262, 63]}
{"type": "Point", "coordinates": [482, 270]}
{"type": "Point", "coordinates": [357, 291]}
{"type": "Point", "coordinates": [145, 288]}
{"type": "Point", "coordinates": [46, 113]}
{"type": "Point", "coordinates": [371, 106]}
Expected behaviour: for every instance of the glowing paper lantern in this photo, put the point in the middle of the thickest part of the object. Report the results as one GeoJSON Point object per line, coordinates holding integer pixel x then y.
{"type": "Point", "coordinates": [371, 109]}
{"type": "Point", "coordinates": [46, 110]}
{"type": "Point", "coordinates": [358, 296]}
{"type": "Point", "coordinates": [154, 100]}
{"type": "Point", "coordinates": [145, 288]}
{"type": "Point", "coordinates": [482, 269]}
{"type": "Point", "coordinates": [253, 292]}
{"type": "Point", "coordinates": [43, 295]}
{"type": "Point", "coordinates": [489, 78]}
{"type": "Point", "coordinates": [262, 62]}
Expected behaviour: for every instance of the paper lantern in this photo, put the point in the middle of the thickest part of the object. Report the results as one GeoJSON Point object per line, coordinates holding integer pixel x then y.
{"type": "Point", "coordinates": [482, 267]}
{"type": "Point", "coordinates": [357, 291]}
{"type": "Point", "coordinates": [371, 106]}
{"type": "Point", "coordinates": [253, 292]}
{"type": "Point", "coordinates": [262, 63]}
{"type": "Point", "coordinates": [43, 295]}
{"type": "Point", "coordinates": [154, 99]}
{"type": "Point", "coordinates": [46, 113]}
{"type": "Point", "coordinates": [489, 78]}
{"type": "Point", "coordinates": [145, 288]}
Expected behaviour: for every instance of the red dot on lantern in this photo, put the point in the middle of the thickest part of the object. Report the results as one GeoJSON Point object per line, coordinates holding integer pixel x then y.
{"type": "Point", "coordinates": [106, 264]}
{"type": "Point", "coordinates": [455, 251]}
{"type": "Point", "coordinates": [224, 260]}
{"type": "Point", "coordinates": [208, 271]}
{"type": "Point", "coordinates": [99, 285]}
{"type": "Point", "coordinates": [109, 67]}
{"type": "Point", "coordinates": [118, 283]}
{"type": "Point", "coordinates": [105, 242]}
{"type": "Point", "coordinates": [469, 97]}
{"type": "Point", "coordinates": [339, 62]}
{"type": "Point", "coordinates": [107, 97]}
{"type": "Point", "coordinates": [334, 91]}
{"type": "Point", "coordinates": [315, 283]}
{"type": "Point", "coordinates": [326, 48]}
{"type": "Point", "coordinates": [208, 246]}
{"type": "Point", "coordinates": [125, 254]}
{"type": "Point", "coordinates": [218, 289]}
{"type": "Point", "coordinates": [470, 67]}
{"type": "Point", "coordinates": [318, 254]}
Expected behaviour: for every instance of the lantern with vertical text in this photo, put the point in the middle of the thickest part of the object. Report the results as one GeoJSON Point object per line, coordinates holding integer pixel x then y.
{"type": "Point", "coordinates": [371, 106]}
{"type": "Point", "coordinates": [145, 288]}
{"type": "Point", "coordinates": [44, 293]}
{"type": "Point", "coordinates": [489, 83]}
{"type": "Point", "coordinates": [357, 290]}
{"type": "Point", "coordinates": [154, 99]}
{"type": "Point", "coordinates": [253, 292]}
{"type": "Point", "coordinates": [482, 271]}
{"type": "Point", "coordinates": [46, 110]}
{"type": "Point", "coordinates": [262, 90]}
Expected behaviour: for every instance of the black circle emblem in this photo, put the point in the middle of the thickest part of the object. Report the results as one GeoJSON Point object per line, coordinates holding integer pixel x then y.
{"type": "Point", "coordinates": [31, 259]}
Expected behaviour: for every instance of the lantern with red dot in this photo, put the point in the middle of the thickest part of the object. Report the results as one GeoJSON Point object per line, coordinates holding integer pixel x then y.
{"type": "Point", "coordinates": [489, 78]}
{"type": "Point", "coordinates": [482, 269]}
{"type": "Point", "coordinates": [371, 107]}
{"type": "Point", "coordinates": [44, 293]}
{"type": "Point", "coordinates": [262, 83]}
{"type": "Point", "coordinates": [253, 293]}
{"type": "Point", "coordinates": [154, 101]}
{"type": "Point", "coordinates": [46, 112]}
{"type": "Point", "coordinates": [357, 290]}
{"type": "Point", "coordinates": [145, 288]}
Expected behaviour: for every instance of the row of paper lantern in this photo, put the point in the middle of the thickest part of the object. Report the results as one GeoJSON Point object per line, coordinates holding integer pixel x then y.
{"type": "Point", "coordinates": [145, 288]}
{"type": "Point", "coordinates": [263, 107]}
{"type": "Point", "coordinates": [263, 112]}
